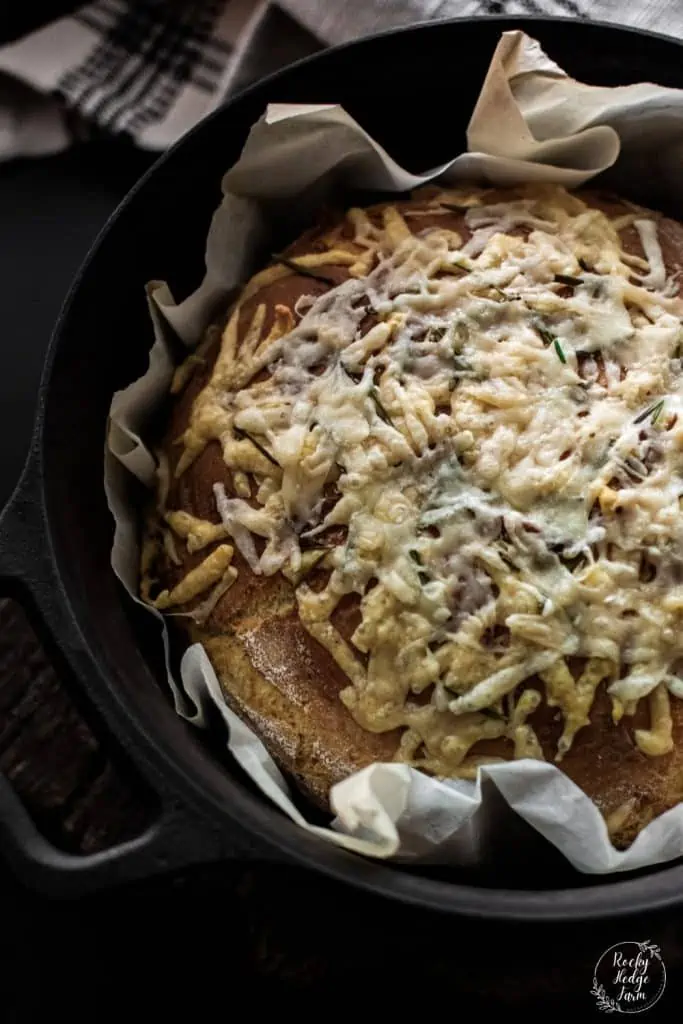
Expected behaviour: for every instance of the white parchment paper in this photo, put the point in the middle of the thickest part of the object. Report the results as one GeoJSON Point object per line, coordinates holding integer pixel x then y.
{"type": "Point", "coordinates": [531, 123]}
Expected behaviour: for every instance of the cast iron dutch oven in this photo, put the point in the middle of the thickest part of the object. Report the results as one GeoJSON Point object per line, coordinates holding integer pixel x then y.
{"type": "Point", "coordinates": [414, 90]}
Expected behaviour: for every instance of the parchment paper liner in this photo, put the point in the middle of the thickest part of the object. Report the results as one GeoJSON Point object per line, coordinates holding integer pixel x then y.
{"type": "Point", "coordinates": [532, 123]}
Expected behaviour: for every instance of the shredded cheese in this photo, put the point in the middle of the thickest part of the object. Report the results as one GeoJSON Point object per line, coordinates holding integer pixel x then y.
{"type": "Point", "coordinates": [502, 445]}
{"type": "Point", "coordinates": [197, 532]}
{"type": "Point", "coordinates": [197, 580]}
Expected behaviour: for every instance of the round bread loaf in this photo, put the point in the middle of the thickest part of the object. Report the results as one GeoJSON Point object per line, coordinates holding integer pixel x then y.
{"type": "Point", "coordinates": [419, 497]}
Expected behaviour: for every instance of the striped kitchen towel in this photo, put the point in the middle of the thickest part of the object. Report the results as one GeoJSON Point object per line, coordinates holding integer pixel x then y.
{"type": "Point", "coordinates": [150, 69]}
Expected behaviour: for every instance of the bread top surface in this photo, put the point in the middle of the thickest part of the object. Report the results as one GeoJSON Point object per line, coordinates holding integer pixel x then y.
{"type": "Point", "coordinates": [419, 499]}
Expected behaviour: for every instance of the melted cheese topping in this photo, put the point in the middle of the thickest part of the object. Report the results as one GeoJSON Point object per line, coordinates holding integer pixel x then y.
{"type": "Point", "coordinates": [504, 445]}
{"type": "Point", "coordinates": [199, 579]}
{"type": "Point", "coordinates": [196, 532]}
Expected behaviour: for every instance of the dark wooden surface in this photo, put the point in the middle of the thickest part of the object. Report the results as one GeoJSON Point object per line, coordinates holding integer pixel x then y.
{"type": "Point", "coordinates": [260, 932]}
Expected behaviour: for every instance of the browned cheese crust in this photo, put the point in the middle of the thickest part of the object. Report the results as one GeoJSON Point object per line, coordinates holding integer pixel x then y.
{"type": "Point", "coordinates": [284, 683]}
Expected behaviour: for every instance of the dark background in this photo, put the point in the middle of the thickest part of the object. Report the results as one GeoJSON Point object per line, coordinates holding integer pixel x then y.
{"type": "Point", "coordinates": [51, 209]}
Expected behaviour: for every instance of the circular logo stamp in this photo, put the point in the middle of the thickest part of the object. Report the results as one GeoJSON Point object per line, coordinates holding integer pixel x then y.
{"type": "Point", "coordinates": [629, 977]}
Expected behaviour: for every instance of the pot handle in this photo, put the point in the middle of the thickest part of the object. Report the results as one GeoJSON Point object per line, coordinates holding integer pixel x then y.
{"type": "Point", "coordinates": [179, 837]}
{"type": "Point", "coordinates": [168, 844]}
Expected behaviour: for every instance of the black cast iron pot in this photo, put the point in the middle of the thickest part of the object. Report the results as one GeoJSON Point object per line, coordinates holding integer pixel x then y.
{"type": "Point", "coordinates": [412, 89]}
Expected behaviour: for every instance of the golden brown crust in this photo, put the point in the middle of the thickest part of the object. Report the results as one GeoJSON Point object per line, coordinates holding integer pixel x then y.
{"type": "Point", "coordinates": [276, 676]}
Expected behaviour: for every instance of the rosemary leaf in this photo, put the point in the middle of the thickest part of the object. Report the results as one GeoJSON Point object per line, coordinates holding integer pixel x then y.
{"type": "Point", "coordinates": [297, 268]}
{"type": "Point", "coordinates": [416, 556]}
{"type": "Point", "coordinates": [545, 332]}
{"type": "Point", "coordinates": [243, 435]}
{"type": "Point", "coordinates": [572, 282]}
{"type": "Point", "coordinates": [657, 412]}
{"type": "Point", "coordinates": [560, 351]}
{"type": "Point", "coordinates": [585, 266]}
{"type": "Point", "coordinates": [355, 377]}
{"type": "Point", "coordinates": [654, 411]}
